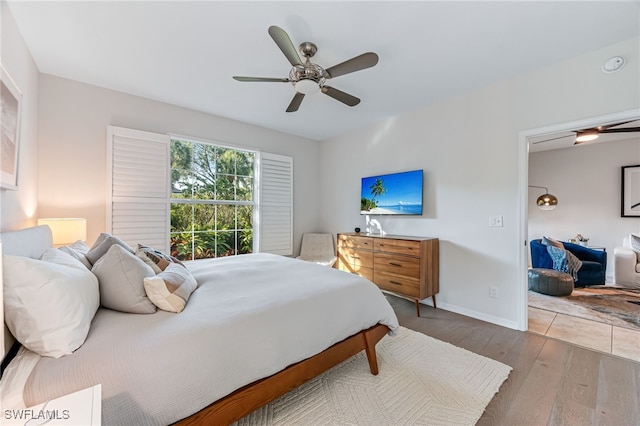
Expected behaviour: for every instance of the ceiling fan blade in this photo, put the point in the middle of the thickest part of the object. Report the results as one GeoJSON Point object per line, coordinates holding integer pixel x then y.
{"type": "Point", "coordinates": [366, 60]}
{"type": "Point", "coordinates": [273, 80]}
{"type": "Point", "coordinates": [284, 43]}
{"type": "Point", "coordinates": [553, 139]}
{"type": "Point", "coordinates": [621, 130]}
{"type": "Point", "coordinates": [295, 102]}
{"type": "Point", "coordinates": [341, 96]}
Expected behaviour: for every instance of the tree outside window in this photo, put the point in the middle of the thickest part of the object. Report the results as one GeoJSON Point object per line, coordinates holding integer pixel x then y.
{"type": "Point", "coordinates": [212, 200]}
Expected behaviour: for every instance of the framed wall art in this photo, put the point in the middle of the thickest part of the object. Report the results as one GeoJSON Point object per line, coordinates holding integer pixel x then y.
{"type": "Point", "coordinates": [630, 191]}
{"type": "Point", "coordinates": [10, 103]}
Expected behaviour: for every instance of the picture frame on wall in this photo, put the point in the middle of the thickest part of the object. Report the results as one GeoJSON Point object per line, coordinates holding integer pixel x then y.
{"type": "Point", "coordinates": [630, 191]}
{"type": "Point", "coordinates": [10, 112]}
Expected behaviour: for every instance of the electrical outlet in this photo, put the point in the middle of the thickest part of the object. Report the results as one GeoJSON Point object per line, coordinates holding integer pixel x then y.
{"type": "Point", "coordinates": [495, 221]}
{"type": "Point", "coordinates": [493, 292]}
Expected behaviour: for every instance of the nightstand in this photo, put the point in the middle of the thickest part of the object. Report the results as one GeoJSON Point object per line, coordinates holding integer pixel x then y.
{"type": "Point", "coordinates": [79, 408]}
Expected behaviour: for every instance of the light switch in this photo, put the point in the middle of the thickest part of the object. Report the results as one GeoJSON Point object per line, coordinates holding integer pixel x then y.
{"type": "Point", "coordinates": [495, 221]}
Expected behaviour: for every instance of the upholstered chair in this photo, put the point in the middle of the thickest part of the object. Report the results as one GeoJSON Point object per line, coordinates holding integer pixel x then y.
{"type": "Point", "coordinates": [627, 267]}
{"type": "Point", "coordinates": [594, 262]}
{"type": "Point", "coordinates": [318, 248]}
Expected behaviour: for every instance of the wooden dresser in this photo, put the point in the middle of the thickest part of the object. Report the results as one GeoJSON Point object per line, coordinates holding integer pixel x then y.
{"type": "Point", "coordinates": [407, 266]}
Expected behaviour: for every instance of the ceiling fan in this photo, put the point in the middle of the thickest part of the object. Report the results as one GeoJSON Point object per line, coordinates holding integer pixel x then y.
{"type": "Point", "coordinates": [307, 77]}
{"type": "Point", "coordinates": [586, 135]}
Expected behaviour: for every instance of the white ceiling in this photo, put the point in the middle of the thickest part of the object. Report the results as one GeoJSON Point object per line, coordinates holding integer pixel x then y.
{"type": "Point", "coordinates": [185, 53]}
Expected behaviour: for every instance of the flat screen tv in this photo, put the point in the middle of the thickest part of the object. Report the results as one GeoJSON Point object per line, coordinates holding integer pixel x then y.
{"type": "Point", "coordinates": [392, 194]}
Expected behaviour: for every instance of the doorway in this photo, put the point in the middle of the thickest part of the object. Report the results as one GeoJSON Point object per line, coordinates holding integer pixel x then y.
{"type": "Point", "coordinates": [526, 139]}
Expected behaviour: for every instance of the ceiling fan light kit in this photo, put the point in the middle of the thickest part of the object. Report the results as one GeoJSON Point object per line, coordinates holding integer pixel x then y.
{"type": "Point", "coordinates": [308, 78]}
{"type": "Point", "coordinates": [587, 135]}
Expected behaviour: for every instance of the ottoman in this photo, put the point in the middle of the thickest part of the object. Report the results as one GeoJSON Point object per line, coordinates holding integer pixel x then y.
{"type": "Point", "coordinates": [551, 282]}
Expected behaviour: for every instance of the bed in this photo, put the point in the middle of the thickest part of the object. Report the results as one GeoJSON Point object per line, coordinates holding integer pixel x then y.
{"type": "Point", "coordinates": [255, 327]}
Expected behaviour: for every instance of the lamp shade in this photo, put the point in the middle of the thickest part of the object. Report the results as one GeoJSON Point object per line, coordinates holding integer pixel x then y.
{"type": "Point", "coordinates": [66, 230]}
{"type": "Point", "coordinates": [546, 201]}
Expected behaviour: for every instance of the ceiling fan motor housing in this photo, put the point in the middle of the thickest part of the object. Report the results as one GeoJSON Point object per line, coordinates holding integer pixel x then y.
{"type": "Point", "coordinates": [307, 79]}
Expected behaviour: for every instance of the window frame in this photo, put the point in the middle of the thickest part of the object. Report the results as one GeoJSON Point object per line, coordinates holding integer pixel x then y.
{"type": "Point", "coordinates": [195, 201]}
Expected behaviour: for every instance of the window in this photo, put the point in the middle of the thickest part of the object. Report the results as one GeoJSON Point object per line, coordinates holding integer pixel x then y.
{"type": "Point", "coordinates": [212, 200]}
{"type": "Point", "coordinates": [197, 199]}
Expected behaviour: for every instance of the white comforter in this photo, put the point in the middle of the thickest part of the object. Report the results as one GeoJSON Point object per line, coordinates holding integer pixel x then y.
{"type": "Point", "coordinates": [250, 317]}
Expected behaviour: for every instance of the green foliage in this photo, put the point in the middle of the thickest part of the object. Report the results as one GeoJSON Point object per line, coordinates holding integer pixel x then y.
{"type": "Point", "coordinates": [378, 188]}
{"type": "Point", "coordinates": [367, 204]}
{"type": "Point", "coordinates": [200, 175]}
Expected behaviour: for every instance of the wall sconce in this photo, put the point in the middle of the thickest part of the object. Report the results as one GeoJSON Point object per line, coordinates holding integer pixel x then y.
{"type": "Point", "coordinates": [546, 201]}
{"type": "Point", "coordinates": [66, 230]}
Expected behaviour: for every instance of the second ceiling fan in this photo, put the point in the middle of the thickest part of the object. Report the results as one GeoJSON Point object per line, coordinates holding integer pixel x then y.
{"type": "Point", "coordinates": [308, 77]}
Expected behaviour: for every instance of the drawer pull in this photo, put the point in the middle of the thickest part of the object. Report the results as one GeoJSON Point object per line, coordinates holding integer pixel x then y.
{"type": "Point", "coordinates": [394, 264]}
{"type": "Point", "coordinates": [395, 282]}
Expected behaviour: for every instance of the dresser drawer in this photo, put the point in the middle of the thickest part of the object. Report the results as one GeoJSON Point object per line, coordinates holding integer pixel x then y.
{"type": "Point", "coordinates": [356, 257]}
{"type": "Point", "coordinates": [399, 284]}
{"type": "Point", "coordinates": [363, 271]}
{"type": "Point", "coordinates": [355, 242]}
{"type": "Point", "coordinates": [397, 265]}
{"type": "Point", "coordinates": [408, 247]}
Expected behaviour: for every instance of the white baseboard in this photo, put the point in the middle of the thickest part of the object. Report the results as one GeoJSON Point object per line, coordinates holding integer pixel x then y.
{"type": "Point", "coordinates": [475, 314]}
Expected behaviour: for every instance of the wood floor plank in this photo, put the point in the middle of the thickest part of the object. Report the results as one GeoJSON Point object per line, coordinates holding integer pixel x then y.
{"type": "Point", "coordinates": [576, 397]}
{"type": "Point", "coordinates": [552, 382]}
{"type": "Point", "coordinates": [618, 400]}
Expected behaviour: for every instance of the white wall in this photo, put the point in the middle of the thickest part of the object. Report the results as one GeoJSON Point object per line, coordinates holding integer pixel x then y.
{"type": "Point", "coordinates": [18, 209]}
{"type": "Point", "coordinates": [73, 122]}
{"type": "Point", "coordinates": [587, 181]}
{"type": "Point", "coordinates": [468, 148]}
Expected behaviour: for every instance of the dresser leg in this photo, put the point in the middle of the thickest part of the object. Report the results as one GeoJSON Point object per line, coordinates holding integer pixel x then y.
{"type": "Point", "coordinates": [434, 301]}
{"type": "Point", "coordinates": [417, 307]}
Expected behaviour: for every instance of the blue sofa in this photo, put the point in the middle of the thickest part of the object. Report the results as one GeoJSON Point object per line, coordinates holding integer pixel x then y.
{"type": "Point", "coordinates": [594, 262]}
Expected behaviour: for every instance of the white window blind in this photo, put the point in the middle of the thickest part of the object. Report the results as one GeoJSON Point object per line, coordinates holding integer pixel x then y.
{"type": "Point", "coordinates": [138, 185]}
{"type": "Point", "coordinates": [275, 215]}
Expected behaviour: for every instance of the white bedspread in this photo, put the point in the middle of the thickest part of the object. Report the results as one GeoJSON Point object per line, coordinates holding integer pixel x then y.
{"type": "Point", "coordinates": [250, 317]}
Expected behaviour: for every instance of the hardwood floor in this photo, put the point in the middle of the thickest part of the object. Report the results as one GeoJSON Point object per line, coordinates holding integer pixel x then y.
{"type": "Point", "coordinates": [552, 382]}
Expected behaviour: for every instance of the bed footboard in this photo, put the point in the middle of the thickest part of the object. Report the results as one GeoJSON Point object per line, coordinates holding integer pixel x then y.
{"type": "Point", "coordinates": [257, 394]}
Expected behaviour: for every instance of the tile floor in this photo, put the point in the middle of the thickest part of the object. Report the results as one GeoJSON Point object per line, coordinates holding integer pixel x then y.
{"type": "Point", "coordinates": [622, 342]}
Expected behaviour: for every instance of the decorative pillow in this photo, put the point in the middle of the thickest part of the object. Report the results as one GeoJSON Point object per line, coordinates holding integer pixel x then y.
{"type": "Point", "coordinates": [564, 261]}
{"type": "Point", "coordinates": [155, 258]}
{"type": "Point", "coordinates": [49, 305]}
{"type": "Point", "coordinates": [634, 241]}
{"type": "Point", "coordinates": [551, 242]}
{"type": "Point", "coordinates": [170, 289]}
{"type": "Point", "coordinates": [121, 275]}
{"type": "Point", "coordinates": [79, 251]}
{"type": "Point", "coordinates": [102, 245]}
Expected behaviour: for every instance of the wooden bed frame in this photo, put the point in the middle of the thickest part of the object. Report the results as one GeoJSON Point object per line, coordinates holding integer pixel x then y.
{"type": "Point", "coordinates": [259, 393]}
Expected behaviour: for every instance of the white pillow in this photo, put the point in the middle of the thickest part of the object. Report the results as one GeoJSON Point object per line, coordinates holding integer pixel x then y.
{"type": "Point", "coordinates": [49, 306]}
{"type": "Point", "coordinates": [62, 258]}
{"type": "Point", "coordinates": [79, 251]}
{"type": "Point", "coordinates": [634, 242]}
{"type": "Point", "coordinates": [171, 288]}
{"type": "Point", "coordinates": [121, 275]}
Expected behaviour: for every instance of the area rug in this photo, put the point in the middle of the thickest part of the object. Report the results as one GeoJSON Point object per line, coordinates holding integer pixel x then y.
{"type": "Point", "coordinates": [421, 381]}
{"type": "Point", "coordinates": [607, 304]}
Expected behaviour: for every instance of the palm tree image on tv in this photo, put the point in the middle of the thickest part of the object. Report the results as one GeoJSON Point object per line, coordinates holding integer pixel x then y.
{"type": "Point", "coordinates": [397, 193]}
{"type": "Point", "coordinates": [377, 189]}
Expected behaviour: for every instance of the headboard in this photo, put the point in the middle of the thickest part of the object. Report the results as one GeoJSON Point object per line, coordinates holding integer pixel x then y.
{"type": "Point", "coordinates": [28, 242]}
